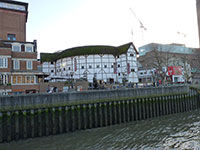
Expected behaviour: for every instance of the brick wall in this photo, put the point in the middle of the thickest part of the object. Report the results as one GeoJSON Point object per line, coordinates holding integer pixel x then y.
{"type": "Point", "coordinates": [24, 55]}
{"type": "Point", "coordinates": [13, 22]}
{"type": "Point", "coordinates": [5, 51]}
{"type": "Point", "coordinates": [23, 88]}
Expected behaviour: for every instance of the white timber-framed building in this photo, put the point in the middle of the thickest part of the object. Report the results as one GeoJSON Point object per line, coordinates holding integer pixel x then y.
{"type": "Point", "coordinates": [107, 63]}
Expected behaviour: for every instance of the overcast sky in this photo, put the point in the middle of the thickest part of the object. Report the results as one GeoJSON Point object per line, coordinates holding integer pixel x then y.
{"type": "Point", "coordinates": [62, 24]}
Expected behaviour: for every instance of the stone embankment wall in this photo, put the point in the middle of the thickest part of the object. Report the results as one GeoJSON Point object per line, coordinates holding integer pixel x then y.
{"type": "Point", "coordinates": [48, 99]}
{"type": "Point", "coordinates": [23, 123]}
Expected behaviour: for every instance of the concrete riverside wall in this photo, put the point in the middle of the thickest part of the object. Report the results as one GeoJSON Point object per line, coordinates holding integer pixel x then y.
{"type": "Point", "coordinates": [59, 98]}
{"type": "Point", "coordinates": [30, 123]}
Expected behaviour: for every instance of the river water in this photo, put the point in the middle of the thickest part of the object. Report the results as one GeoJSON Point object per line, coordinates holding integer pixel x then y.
{"type": "Point", "coordinates": [179, 131]}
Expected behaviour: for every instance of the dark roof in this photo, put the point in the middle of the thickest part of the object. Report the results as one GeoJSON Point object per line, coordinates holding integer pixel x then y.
{"type": "Point", "coordinates": [86, 50]}
{"type": "Point", "coordinates": [10, 42]}
{"type": "Point", "coordinates": [15, 2]}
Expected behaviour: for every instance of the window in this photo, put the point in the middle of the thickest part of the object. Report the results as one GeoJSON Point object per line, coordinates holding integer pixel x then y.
{"type": "Point", "coordinates": [52, 63]}
{"type": "Point", "coordinates": [29, 49]}
{"type": "Point", "coordinates": [14, 80]}
{"type": "Point", "coordinates": [105, 66]}
{"type": "Point", "coordinates": [132, 70]}
{"type": "Point", "coordinates": [63, 69]}
{"type": "Point", "coordinates": [52, 71]}
{"type": "Point", "coordinates": [131, 55]}
{"type": "Point", "coordinates": [23, 79]}
{"type": "Point", "coordinates": [90, 66]}
{"type": "Point", "coordinates": [16, 48]}
{"type": "Point", "coordinates": [69, 68]}
{"type": "Point", "coordinates": [19, 79]}
{"type": "Point", "coordinates": [16, 64]}
{"type": "Point", "coordinates": [29, 65]}
{"type": "Point", "coordinates": [111, 66]}
{"type": "Point", "coordinates": [118, 65]}
{"type": "Point", "coordinates": [98, 66]}
{"type": "Point", "coordinates": [11, 37]}
{"type": "Point", "coordinates": [1, 79]}
{"type": "Point", "coordinates": [3, 62]}
{"type": "Point", "coordinates": [82, 67]}
{"type": "Point", "coordinates": [118, 74]}
{"type": "Point", "coordinates": [30, 79]}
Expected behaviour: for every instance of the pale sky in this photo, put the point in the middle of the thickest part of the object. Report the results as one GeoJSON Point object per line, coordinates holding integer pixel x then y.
{"type": "Point", "coordinates": [62, 24]}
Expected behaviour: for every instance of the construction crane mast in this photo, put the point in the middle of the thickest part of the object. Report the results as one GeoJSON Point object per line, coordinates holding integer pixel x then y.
{"type": "Point", "coordinates": [141, 24]}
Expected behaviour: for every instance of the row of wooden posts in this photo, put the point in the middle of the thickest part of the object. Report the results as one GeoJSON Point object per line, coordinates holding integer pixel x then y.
{"type": "Point", "coordinates": [30, 123]}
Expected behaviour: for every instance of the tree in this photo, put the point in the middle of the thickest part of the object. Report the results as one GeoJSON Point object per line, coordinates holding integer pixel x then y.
{"type": "Point", "coordinates": [195, 65]}
{"type": "Point", "coordinates": [184, 62]}
{"type": "Point", "coordinates": [159, 60]}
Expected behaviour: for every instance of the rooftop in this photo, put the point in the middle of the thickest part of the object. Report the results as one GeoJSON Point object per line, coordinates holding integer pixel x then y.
{"type": "Point", "coordinates": [86, 50]}
{"type": "Point", "coordinates": [171, 48]}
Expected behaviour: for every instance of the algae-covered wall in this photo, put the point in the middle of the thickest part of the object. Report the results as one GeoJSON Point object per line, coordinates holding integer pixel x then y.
{"type": "Point", "coordinates": [50, 120]}
{"type": "Point", "coordinates": [30, 116]}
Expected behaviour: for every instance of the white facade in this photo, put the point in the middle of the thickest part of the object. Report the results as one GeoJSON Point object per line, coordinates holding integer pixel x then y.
{"type": "Point", "coordinates": [48, 68]}
{"type": "Point", "coordinates": [106, 67]}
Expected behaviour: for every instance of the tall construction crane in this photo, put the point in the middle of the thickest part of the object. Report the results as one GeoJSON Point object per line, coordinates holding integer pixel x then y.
{"type": "Point", "coordinates": [141, 24]}
{"type": "Point", "coordinates": [143, 28]}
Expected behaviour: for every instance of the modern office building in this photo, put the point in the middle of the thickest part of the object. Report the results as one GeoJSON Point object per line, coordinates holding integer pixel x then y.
{"type": "Point", "coordinates": [107, 63]}
{"type": "Point", "coordinates": [170, 56]}
{"type": "Point", "coordinates": [18, 58]}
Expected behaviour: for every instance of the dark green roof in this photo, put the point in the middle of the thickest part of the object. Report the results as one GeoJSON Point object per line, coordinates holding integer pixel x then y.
{"type": "Point", "coordinates": [86, 50]}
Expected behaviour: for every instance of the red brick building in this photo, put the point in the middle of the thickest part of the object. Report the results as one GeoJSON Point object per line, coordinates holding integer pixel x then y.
{"type": "Point", "coordinates": [18, 58]}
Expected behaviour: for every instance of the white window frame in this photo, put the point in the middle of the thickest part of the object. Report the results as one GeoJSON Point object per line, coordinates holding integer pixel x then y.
{"type": "Point", "coordinates": [28, 46]}
{"type": "Point", "coordinates": [14, 64]}
{"type": "Point", "coordinates": [27, 64]}
{"type": "Point", "coordinates": [4, 62]}
{"type": "Point", "coordinates": [16, 44]}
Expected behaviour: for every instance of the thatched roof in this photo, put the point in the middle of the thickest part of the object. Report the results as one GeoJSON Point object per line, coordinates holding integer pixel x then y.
{"type": "Point", "coordinates": [86, 50]}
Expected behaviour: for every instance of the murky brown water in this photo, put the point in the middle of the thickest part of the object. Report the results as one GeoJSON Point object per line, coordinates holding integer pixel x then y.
{"type": "Point", "coordinates": [180, 131]}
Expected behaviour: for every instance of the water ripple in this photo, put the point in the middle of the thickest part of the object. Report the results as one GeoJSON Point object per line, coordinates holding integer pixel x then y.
{"type": "Point", "coordinates": [180, 131]}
